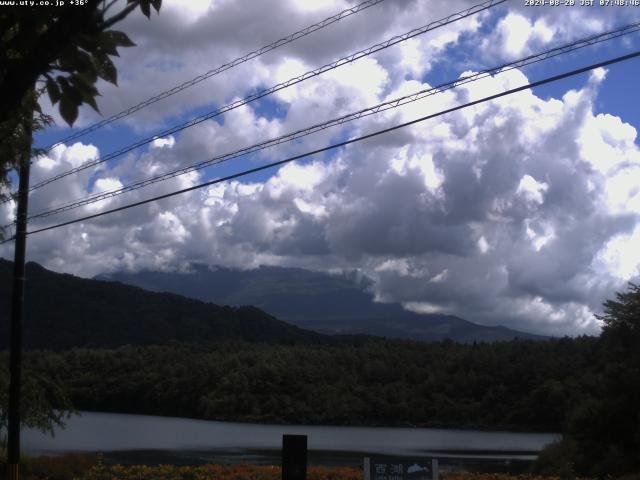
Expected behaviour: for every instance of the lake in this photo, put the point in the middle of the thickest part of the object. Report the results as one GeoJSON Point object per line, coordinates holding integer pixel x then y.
{"type": "Point", "coordinates": [150, 439]}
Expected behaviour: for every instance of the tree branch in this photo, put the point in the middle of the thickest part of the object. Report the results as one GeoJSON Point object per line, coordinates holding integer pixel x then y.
{"type": "Point", "coordinates": [107, 7]}
{"type": "Point", "coordinates": [119, 16]}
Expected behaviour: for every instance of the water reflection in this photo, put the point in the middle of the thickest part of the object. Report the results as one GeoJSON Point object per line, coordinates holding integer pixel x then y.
{"type": "Point", "coordinates": [148, 439]}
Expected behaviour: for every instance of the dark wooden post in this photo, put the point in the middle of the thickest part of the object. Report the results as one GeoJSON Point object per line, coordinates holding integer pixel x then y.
{"type": "Point", "coordinates": [17, 313]}
{"type": "Point", "coordinates": [294, 457]}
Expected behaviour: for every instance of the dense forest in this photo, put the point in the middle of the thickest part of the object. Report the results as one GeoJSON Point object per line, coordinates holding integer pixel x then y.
{"type": "Point", "coordinates": [521, 385]}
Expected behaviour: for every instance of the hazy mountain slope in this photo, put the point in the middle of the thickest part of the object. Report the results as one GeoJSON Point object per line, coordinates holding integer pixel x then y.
{"type": "Point", "coordinates": [64, 311]}
{"type": "Point", "coordinates": [319, 301]}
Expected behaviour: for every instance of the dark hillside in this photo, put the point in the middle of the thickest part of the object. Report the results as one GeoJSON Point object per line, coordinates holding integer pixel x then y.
{"type": "Point", "coordinates": [64, 311]}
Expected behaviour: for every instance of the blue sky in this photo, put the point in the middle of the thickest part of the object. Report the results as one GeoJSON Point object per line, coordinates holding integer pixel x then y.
{"type": "Point", "coordinates": [520, 212]}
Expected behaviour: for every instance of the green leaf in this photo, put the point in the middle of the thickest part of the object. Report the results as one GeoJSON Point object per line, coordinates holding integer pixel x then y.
{"type": "Point", "coordinates": [84, 61]}
{"type": "Point", "coordinates": [53, 91]}
{"type": "Point", "coordinates": [88, 42]}
{"type": "Point", "coordinates": [90, 100]}
{"type": "Point", "coordinates": [66, 60]}
{"type": "Point", "coordinates": [81, 83]}
{"type": "Point", "coordinates": [119, 39]}
{"type": "Point", "coordinates": [68, 110]}
{"type": "Point", "coordinates": [71, 92]}
{"type": "Point", "coordinates": [107, 45]}
{"type": "Point", "coordinates": [84, 92]}
{"type": "Point", "coordinates": [156, 4]}
{"type": "Point", "coordinates": [90, 77]}
{"type": "Point", "coordinates": [73, 58]}
{"type": "Point", "coordinates": [105, 68]}
{"type": "Point", "coordinates": [145, 7]}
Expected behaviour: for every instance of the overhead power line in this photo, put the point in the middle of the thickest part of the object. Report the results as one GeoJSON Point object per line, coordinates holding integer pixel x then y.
{"type": "Point", "coordinates": [454, 17]}
{"type": "Point", "coordinates": [249, 56]}
{"type": "Point", "coordinates": [346, 142]}
{"type": "Point", "coordinates": [390, 104]}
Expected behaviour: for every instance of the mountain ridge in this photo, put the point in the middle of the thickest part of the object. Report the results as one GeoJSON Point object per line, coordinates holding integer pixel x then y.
{"type": "Point", "coordinates": [333, 304]}
{"type": "Point", "coordinates": [64, 311]}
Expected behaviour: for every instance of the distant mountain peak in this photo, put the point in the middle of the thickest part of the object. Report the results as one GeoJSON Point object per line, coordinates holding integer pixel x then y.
{"type": "Point", "coordinates": [319, 301]}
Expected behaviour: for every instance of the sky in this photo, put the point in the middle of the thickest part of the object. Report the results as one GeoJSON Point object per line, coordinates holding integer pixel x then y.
{"type": "Point", "coordinates": [523, 211]}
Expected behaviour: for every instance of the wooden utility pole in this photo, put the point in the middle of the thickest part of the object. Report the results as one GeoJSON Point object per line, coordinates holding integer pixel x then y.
{"type": "Point", "coordinates": [17, 313]}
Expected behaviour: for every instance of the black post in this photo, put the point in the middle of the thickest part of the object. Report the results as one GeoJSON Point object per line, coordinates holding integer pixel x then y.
{"type": "Point", "coordinates": [294, 457]}
{"type": "Point", "coordinates": [17, 313]}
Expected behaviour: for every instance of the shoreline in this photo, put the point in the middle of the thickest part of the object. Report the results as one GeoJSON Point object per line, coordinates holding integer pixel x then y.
{"type": "Point", "coordinates": [460, 461]}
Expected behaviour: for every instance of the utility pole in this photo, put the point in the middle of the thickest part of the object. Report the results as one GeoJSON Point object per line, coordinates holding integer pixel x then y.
{"type": "Point", "coordinates": [17, 312]}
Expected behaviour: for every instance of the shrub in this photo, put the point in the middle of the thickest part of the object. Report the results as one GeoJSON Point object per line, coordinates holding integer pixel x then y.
{"type": "Point", "coordinates": [556, 460]}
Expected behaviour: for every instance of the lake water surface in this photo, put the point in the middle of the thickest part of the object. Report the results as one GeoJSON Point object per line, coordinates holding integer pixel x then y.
{"type": "Point", "coordinates": [132, 435]}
